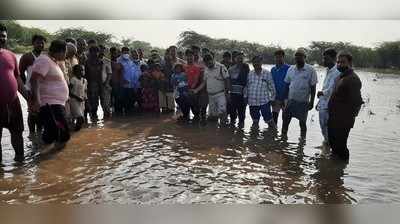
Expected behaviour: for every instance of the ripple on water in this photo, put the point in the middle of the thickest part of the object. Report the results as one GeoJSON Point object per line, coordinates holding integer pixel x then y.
{"type": "Point", "coordinates": [153, 160]}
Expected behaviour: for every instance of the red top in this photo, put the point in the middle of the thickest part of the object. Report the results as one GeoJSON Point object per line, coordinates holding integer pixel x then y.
{"type": "Point", "coordinates": [193, 73]}
{"type": "Point", "coordinates": [8, 76]}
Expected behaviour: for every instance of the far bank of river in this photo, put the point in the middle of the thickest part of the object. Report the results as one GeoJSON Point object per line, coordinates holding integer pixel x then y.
{"type": "Point", "coordinates": [381, 70]}
{"type": "Point", "coordinates": [372, 70]}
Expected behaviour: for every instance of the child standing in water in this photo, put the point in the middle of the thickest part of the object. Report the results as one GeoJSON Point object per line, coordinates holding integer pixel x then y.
{"type": "Point", "coordinates": [181, 91]}
{"type": "Point", "coordinates": [78, 95]}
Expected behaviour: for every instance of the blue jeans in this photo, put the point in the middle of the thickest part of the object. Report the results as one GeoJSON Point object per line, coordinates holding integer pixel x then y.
{"type": "Point", "coordinates": [323, 122]}
{"type": "Point", "coordinates": [265, 112]}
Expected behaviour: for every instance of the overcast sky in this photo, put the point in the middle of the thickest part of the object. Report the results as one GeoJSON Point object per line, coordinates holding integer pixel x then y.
{"type": "Point", "coordinates": [208, 9]}
{"type": "Point", "coordinates": [286, 33]}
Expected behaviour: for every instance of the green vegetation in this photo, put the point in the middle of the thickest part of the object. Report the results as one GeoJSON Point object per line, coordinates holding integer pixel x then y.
{"type": "Point", "coordinates": [20, 37]}
{"type": "Point", "coordinates": [145, 46]}
{"type": "Point", "coordinates": [100, 37]}
{"type": "Point", "coordinates": [385, 57]}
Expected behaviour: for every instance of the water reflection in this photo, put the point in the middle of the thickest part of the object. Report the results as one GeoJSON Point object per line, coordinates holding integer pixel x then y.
{"type": "Point", "coordinates": [329, 185]}
{"type": "Point", "coordinates": [154, 160]}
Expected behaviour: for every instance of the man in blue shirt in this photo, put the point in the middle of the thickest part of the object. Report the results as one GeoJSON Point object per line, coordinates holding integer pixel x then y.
{"type": "Point", "coordinates": [130, 80]}
{"type": "Point", "coordinates": [137, 63]}
{"type": "Point", "coordinates": [238, 74]}
{"type": "Point", "coordinates": [278, 74]}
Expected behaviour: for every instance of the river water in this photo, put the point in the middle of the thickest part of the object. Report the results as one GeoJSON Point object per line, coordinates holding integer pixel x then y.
{"type": "Point", "coordinates": [150, 159]}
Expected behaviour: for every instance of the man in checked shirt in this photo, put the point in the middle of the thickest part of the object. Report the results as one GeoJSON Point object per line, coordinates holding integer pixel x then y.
{"type": "Point", "coordinates": [260, 93]}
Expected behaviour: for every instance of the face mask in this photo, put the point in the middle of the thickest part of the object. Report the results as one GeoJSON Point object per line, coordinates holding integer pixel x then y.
{"type": "Point", "coordinates": [125, 56]}
{"type": "Point", "coordinates": [2, 42]}
{"type": "Point", "coordinates": [341, 69]}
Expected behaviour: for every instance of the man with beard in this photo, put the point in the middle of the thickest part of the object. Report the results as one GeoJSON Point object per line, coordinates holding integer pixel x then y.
{"type": "Point", "coordinates": [344, 106]}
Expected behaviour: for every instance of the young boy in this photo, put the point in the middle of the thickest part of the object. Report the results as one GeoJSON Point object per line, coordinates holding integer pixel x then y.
{"type": "Point", "coordinates": [78, 95]}
{"type": "Point", "coordinates": [180, 82]}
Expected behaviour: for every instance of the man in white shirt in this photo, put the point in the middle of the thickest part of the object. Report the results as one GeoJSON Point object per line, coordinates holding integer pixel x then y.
{"type": "Point", "coordinates": [216, 78]}
{"type": "Point", "coordinates": [302, 80]}
{"type": "Point", "coordinates": [329, 61]}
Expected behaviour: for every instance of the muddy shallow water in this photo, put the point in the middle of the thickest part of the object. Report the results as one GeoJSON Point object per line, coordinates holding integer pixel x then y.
{"type": "Point", "coordinates": [153, 160]}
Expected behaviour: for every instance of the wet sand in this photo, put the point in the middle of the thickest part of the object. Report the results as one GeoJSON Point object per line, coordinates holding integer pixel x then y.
{"type": "Point", "coordinates": [150, 159]}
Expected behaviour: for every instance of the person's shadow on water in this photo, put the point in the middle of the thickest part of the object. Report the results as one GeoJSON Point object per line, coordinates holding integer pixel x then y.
{"type": "Point", "coordinates": [328, 181]}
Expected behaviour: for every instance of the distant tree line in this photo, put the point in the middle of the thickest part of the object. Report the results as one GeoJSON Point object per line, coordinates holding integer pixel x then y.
{"type": "Point", "coordinates": [384, 55]}
{"type": "Point", "coordinates": [19, 37]}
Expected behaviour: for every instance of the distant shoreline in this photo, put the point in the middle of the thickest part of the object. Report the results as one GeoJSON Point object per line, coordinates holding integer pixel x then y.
{"type": "Point", "coordinates": [390, 71]}
{"type": "Point", "coordinates": [385, 71]}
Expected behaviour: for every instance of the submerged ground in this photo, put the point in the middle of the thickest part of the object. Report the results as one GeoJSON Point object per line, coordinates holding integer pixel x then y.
{"type": "Point", "coordinates": [153, 160]}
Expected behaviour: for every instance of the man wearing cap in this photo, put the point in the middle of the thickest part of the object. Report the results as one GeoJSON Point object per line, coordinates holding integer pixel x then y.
{"type": "Point", "coordinates": [302, 80]}
{"type": "Point", "coordinates": [216, 78]}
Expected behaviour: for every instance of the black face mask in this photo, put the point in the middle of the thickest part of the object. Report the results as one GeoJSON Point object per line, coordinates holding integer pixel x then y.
{"type": "Point", "coordinates": [3, 42]}
{"type": "Point", "coordinates": [342, 69]}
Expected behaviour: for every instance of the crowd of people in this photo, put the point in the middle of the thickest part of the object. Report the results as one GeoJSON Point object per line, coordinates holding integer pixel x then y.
{"type": "Point", "coordinates": [65, 86]}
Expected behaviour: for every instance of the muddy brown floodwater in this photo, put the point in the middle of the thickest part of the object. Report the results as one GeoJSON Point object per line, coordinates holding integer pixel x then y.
{"type": "Point", "coordinates": [153, 160]}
